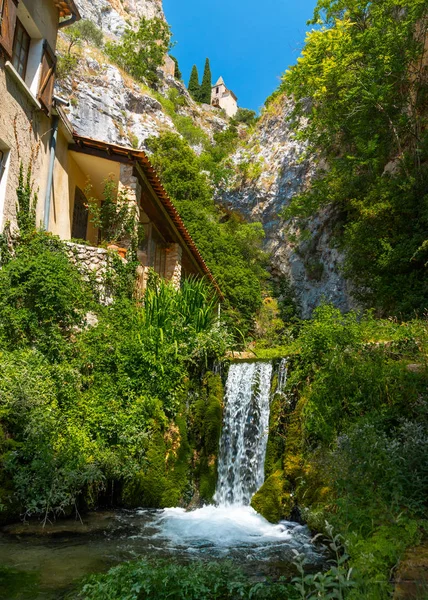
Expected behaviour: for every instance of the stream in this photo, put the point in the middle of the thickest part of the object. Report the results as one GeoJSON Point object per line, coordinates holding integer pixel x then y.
{"type": "Point", "coordinates": [49, 562]}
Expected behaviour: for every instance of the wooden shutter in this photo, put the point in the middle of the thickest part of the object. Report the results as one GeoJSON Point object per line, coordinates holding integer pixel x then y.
{"type": "Point", "coordinates": [47, 78]}
{"type": "Point", "coordinates": [7, 26]}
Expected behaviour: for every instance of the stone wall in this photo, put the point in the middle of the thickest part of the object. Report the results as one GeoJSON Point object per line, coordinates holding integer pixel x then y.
{"type": "Point", "coordinates": [93, 264]}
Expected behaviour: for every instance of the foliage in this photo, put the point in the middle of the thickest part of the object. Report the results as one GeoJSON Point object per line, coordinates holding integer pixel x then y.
{"type": "Point", "coordinates": [231, 247]}
{"type": "Point", "coordinates": [66, 66]}
{"type": "Point", "coordinates": [79, 405]}
{"type": "Point", "coordinates": [42, 297]}
{"type": "Point", "coordinates": [26, 202]}
{"type": "Point", "coordinates": [214, 159]}
{"type": "Point", "coordinates": [351, 427]}
{"type": "Point", "coordinates": [362, 71]}
{"type": "Point", "coordinates": [115, 216]}
{"type": "Point", "coordinates": [206, 85]}
{"type": "Point", "coordinates": [83, 30]}
{"type": "Point", "coordinates": [246, 116]}
{"type": "Point", "coordinates": [178, 74]}
{"type": "Point", "coordinates": [194, 85]}
{"type": "Point", "coordinates": [199, 581]}
{"type": "Point", "coordinates": [141, 51]}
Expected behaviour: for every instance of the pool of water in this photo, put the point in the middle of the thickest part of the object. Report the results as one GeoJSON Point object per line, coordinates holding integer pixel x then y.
{"type": "Point", "coordinates": [48, 562]}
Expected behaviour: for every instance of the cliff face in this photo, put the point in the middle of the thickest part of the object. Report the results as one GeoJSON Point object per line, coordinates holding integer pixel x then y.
{"type": "Point", "coordinates": [271, 169]}
{"type": "Point", "coordinates": [112, 15]}
{"type": "Point", "coordinates": [108, 105]}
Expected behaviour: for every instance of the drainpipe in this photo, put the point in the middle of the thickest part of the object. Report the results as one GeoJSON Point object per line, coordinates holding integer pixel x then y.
{"type": "Point", "coordinates": [68, 22]}
{"type": "Point", "coordinates": [54, 137]}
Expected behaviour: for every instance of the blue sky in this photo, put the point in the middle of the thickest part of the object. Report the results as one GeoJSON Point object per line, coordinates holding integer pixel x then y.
{"type": "Point", "coordinates": [249, 42]}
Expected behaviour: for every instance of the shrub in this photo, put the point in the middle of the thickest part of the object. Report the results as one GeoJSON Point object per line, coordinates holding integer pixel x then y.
{"type": "Point", "coordinates": [42, 296]}
{"type": "Point", "coordinates": [246, 116]}
{"type": "Point", "coordinates": [141, 51]}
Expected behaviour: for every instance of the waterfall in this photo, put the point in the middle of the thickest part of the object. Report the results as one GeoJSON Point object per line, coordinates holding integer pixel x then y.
{"type": "Point", "coordinates": [245, 433]}
{"type": "Point", "coordinates": [282, 376]}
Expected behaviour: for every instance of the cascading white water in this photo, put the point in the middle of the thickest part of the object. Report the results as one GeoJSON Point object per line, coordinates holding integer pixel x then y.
{"type": "Point", "coordinates": [245, 433]}
{"type": "Point", "coordinates": [233, 528]}
{"type": "Point", "coordinates": [282, 376]}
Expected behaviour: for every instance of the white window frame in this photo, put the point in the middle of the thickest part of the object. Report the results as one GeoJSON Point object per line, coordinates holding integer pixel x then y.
{"type": "Point", "coordinates": [3, 180]}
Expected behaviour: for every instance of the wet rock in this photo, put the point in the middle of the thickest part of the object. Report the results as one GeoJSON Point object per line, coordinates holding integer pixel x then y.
{"type": "Point", "coordinates": [91, 523]}
{"type": "Point", "coordinates": [411, 580]}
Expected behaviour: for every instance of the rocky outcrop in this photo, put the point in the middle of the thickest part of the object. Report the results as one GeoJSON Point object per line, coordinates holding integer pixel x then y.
{"type": "Point", "coordinates": [108, 105]}
{"type": "Point", "coordinates": [270, 169]}
{"type": "Point", "coordinates": [112, 16]}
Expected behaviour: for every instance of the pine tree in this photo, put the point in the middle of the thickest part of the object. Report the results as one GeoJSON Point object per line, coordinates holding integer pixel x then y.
{"type": "Point", "coordinates": [206, 86]}
{"type": "Point", "coordinates": [194, 87]}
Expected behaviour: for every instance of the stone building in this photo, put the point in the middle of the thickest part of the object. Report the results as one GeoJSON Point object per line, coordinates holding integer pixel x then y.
{"type": "Point", "coordinates": [35, 133]}
{"type": "Point", "coordinates": [224, 98]}
{"type": "Point", "coordinates": [167, 246]}
{"type": "Point", "coordinates": [28, 36]}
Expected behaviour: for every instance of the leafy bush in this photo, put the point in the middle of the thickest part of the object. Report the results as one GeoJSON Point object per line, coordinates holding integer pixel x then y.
{"type": "Point", "coordinates": [42, 297]}
{"type": "Point", "coordinates": [353, 420]}
{"type": "Point", "coordinates": [245, 115]}
{"type": "Point", "coordinates": [115, 216]}
{"type": "Point", "coordinates": [231, 247]}
{"type": "Point", "coordinates": [141, 51]}
{"type": "Point", "coordinates": [80, 406]}
{"type": "Point", "coordinates": [199, 581]}
{"type": "Point", "coordinates": [358, 69]}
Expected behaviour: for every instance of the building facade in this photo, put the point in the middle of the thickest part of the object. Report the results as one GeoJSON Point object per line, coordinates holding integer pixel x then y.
{"type": "Point", "coordinates": [224, 98]}
{"type": "Point", "coordinates": [28, 35]}
{"type": "Point", "coordinates": [66, 168]}
{"type": "Point", "coordinates": [82, 166]}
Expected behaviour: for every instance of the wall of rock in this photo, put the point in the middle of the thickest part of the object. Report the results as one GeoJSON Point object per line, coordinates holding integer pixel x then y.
{"type": "Point", "coordinates": [279, 172]}
{"type": "Point", "coordinates": [112, 15]}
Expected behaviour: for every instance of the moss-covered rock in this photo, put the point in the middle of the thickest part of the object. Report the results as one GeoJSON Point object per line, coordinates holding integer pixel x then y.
{"type": "Point", "coordinates": [164, 479]}
{"type": "Point", "coordinates": [206, 428]}
{"type": "Point", "coordinates": [273, 500]}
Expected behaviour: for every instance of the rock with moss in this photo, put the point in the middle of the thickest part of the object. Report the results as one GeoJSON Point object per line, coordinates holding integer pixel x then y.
{"type": "Point", "coordinates": [273, 500]}
{"type": "Point", "coordinates": [163, 481]}
{"type": "Point", "coordinates": [207, 422]}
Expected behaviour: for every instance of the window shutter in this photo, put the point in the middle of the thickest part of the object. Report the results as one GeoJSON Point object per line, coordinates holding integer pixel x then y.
{"type": "Point", "coordinates": [47, 78]}
{"type": "Point", "coordinates": [7, 26]}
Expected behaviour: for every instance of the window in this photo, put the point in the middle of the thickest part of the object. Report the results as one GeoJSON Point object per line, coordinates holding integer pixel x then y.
{"type": "Point", "coordinates": [216, 91]}
{"type": "Point", "coordinates": [2, 163]}
{"type": "Point", "coordinates": [80, 216]}
{"type": "Point", "coordinates": [21, 49]}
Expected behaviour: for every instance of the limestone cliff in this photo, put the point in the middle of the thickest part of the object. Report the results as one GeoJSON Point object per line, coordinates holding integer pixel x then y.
{"type": "Point", "coordinates": [107, 104]}
{"type": "Point", "coordinates": [112, 15]}
{"type": "Point", "coordinates": [270, 169]}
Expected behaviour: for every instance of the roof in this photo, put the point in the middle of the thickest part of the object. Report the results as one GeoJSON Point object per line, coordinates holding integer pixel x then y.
{"type": "Point", "coordinates": [66, 8]}
{"type": "Point", "coordinates": [220, 82]}
{"type": "Point", "coordinates": [140, 157]}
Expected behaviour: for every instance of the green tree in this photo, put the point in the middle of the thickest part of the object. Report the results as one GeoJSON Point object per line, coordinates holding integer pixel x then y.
{"type": "Point", "coordinates": [361, 71]}
{"type": "Point", "coordinates": [178, 74]}
{"type": "Point", "coordinates": [230, 246]}
{"type": "Point", "coordinates": [141, 51]}
{"type": "Point", "coordinates": [245, 115]}
{"type": "Point", "coordinates": [83, 30]}
{"type": "Point", "coordinates": [206, 85]}
{"type": "Point", "coordinates": [194, 86]}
